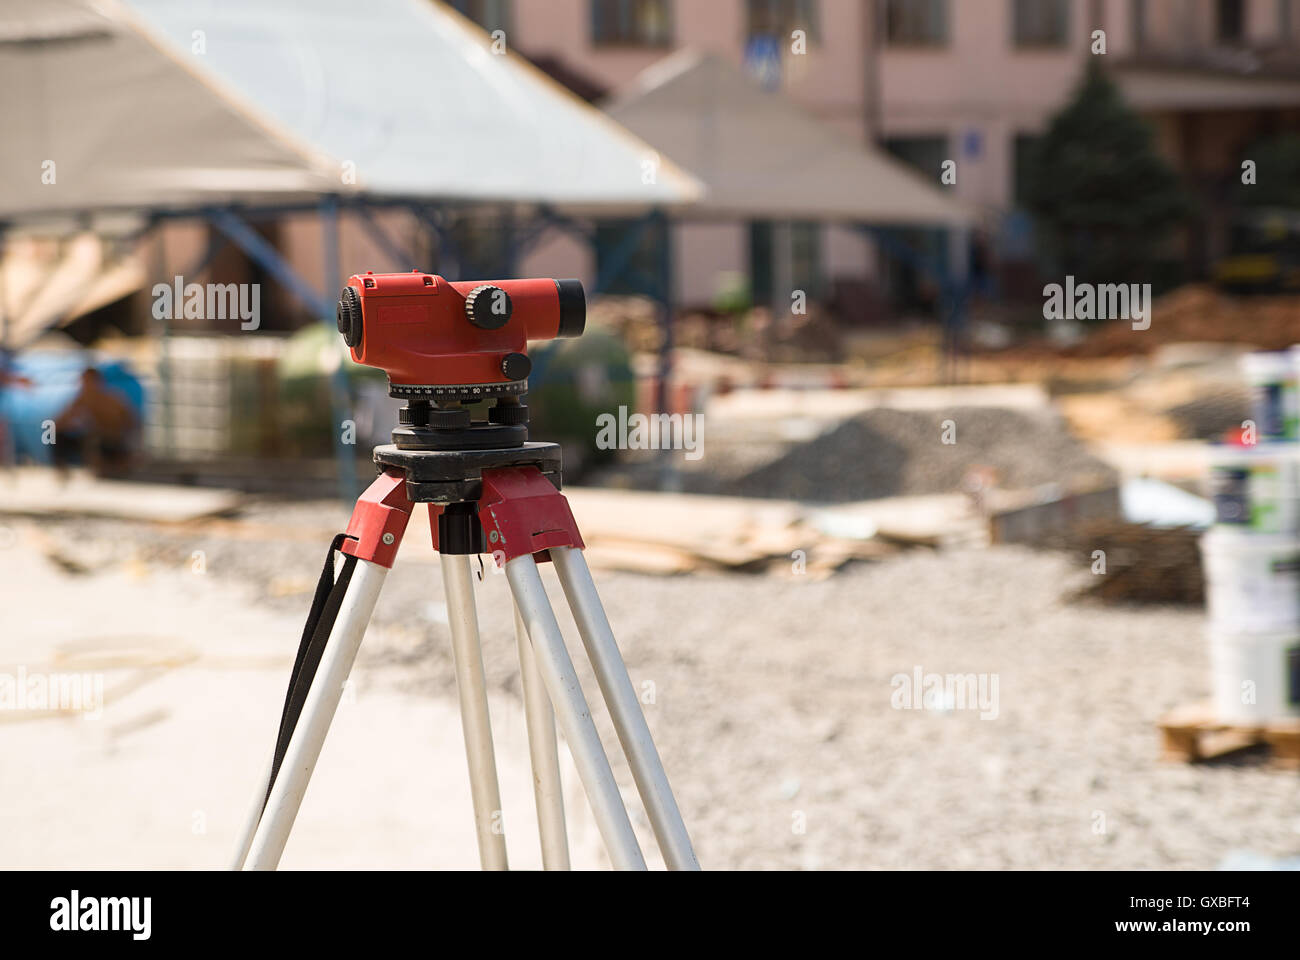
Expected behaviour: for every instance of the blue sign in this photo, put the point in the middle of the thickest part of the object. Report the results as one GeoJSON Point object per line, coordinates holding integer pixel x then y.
{"type": "Point", "coordinates": [763, 60]}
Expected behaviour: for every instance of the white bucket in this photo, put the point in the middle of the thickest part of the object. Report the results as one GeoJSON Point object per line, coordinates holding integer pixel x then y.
{"type": "Point", "coordinates": [1255, 678]}
{"type": "Point", "coordinates": [1273, 380]}
{"type": "Point", "coordinates": [1256, 488]}
{"type": "Point", "coordinates": [1252, 581]}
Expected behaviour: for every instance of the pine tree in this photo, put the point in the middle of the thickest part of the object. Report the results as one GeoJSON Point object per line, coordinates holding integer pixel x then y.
{"type": "Point", "coordinates": [1103, 198]}
{"type": "Point", "coordinates": [1277, 173]}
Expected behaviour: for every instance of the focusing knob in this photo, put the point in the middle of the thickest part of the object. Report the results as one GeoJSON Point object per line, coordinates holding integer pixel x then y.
{"type": "Point", "coordinates": [349, 316]}
{"type": "Point", "coordinates": [488, 307]}
{"type": "Point", "coordinates": [516, 366]}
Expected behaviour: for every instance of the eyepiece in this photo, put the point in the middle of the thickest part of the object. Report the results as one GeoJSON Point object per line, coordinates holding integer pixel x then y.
{"type": "Point", "coordinates": [573, 308]}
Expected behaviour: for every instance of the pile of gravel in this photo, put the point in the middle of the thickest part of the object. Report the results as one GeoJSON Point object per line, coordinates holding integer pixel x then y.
{"type": "Point", "coordinates": [887, 453]}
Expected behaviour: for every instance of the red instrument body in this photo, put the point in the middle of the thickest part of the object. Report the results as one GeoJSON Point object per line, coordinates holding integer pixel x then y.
{"type": "Point", "coordinates": [416, 327]}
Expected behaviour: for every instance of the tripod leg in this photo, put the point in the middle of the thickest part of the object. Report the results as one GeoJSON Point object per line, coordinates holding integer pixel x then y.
{"type": "Point", "coordinates": [475, 719]}
{"type": "Point", "coordinates": [624, 709]}
{"type": "Point", "coordinates": [317, 712]}
{"type": "Point", "coordinates": [254, 814]}
{"type": "Point", "coordinates": [545, 756]}
{"type": "Point", "coordinates": [573, 713]}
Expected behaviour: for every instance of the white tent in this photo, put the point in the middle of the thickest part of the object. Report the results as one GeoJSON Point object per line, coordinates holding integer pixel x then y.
{"type": "Point", "coordinates": [96, 117]}
{"type": "Point", "coordinates": [152, 103]}
{"type": "Point", "coordinates": [761, 156]}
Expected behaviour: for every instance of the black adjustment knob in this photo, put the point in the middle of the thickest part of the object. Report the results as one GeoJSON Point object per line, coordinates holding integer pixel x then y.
{"type": "Point", "coordinates": [488, 307]}
{"type": "Point", "coordinates": [508, 412]}
{"type": "Point", "coordinates": [516, 366]}
{"type": "Point", "coordinates": [349, 316]}
{"type": "Point", "coordinates": [449, 418]}
{"type": "Point", "coordinates": [414, 414]}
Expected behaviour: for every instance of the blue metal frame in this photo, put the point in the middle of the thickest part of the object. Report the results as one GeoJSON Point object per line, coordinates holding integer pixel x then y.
{"type": "Point", "coordinates": [383, 239]}
{"type": "Point", "coordinates": [660, 284]}
{"type": "Point", "coordinates": [264, 254]}
{"type": "Point", "coordinates": [234, 224]}
{"type": "Point", "coordinates": [340, 390]}
{"type": "Point", "coordinates": [954, 295]}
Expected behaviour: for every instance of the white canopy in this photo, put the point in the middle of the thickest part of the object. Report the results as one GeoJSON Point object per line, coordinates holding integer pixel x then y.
{"type": "Point", "coordinates": [96, 117]}
{"type": "Point", "coordinates": [761, 156]}
{"type": "Point", "coordinates": [149, 103]}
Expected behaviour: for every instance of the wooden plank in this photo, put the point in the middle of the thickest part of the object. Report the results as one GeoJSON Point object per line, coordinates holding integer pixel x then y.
{"type": "Point", "coordinates": [38, 491]}
{"type": "Point", "coordinates": [688, 522]}
{"type": "Point", "coordinates": [1283, 739]}
{"type": "Point", "coordinates": [640, 558]}
{"type": "Point", "coordinates": [1191, 733]}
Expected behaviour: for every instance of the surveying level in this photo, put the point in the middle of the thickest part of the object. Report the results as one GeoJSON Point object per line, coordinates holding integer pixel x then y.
{"type": "Point", "coordinates": [447, 347]}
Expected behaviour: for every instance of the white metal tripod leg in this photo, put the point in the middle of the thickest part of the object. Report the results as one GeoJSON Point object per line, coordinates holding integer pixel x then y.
{"type": "Point", "coordinates": [624, 709]}
{"type": "Point", "coordinates": [475, 721]}
{"type": "Point", "coordinates": [543, 751]}
{"type": "Point", "coordinates": [317, 712]}
{"type": "Point", "coordinates": [254, 813]}
{"type": "Point", "coordinates": [573, 714]}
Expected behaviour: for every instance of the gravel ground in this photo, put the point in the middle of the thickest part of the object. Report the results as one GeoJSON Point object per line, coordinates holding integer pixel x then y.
{"type": "Point", "coordinates": [772, 702]}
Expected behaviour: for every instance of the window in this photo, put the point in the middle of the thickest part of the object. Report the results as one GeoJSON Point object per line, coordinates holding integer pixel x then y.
{"type": "Point", "coordinates": [1024, 150]}
{"type": "Point", "coordinates": [1041, 23]}
{"type": "Point", "coordinates": [802, 245]}
{"type": "Point", "coordinates": [780, 18]}
{"type": "Point", "coordinates": [639, 23]}
{"type": "Point", "coordinates": [919, 23]}
{"type": "Point", "coordinates": [925, 154]}
{"type": "Point", "coordinates": [1230, 20]}
{"type": "Point", "coordinates": [488, 14]}
{"type": "Point", "coordinates": [1138, 22]}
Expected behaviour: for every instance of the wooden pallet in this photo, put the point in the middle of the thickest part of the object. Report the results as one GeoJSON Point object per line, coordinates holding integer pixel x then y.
{"type": "Point", "coordinates": [1192, 733]}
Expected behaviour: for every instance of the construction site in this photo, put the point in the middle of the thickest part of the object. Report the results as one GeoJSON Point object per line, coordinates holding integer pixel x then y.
{"type": "Point", "coordinates": [907, 568]}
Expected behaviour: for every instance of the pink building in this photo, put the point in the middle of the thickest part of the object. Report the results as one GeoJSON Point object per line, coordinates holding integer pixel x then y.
{"type": "Point", "coordinates": [936, 80]}
{"type": "Point", "coordinates": [970, 81]}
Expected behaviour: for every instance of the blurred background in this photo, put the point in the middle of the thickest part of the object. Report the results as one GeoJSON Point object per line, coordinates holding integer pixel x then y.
{"type": "Point", "coordinates": [827, 233]}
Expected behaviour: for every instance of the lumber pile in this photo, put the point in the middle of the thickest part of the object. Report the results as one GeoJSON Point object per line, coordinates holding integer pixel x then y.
{"type": "Point", "coordinates": [1140, 563]}
{"type": "Point", "coordinates": [1202, 314]}
{"type": "Point", "coordinates": [670, 533]}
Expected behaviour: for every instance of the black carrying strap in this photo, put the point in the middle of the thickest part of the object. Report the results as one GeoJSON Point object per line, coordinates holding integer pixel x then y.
{"type": "Point", "coordinates": [320, 621]}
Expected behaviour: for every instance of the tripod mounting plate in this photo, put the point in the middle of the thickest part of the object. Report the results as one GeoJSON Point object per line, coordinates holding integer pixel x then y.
{"type": "Point", "coordinates": [456, 476]}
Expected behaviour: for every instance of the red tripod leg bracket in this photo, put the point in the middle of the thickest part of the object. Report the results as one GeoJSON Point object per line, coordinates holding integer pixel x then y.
{"type": "Point", "coordinates": [379, 520]}
{"type": "Point", "coordinates": [522, 513]}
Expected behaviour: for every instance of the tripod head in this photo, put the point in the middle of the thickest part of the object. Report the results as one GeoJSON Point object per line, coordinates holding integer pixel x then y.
{"type": "Point", "coordinates": [444, 345]}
